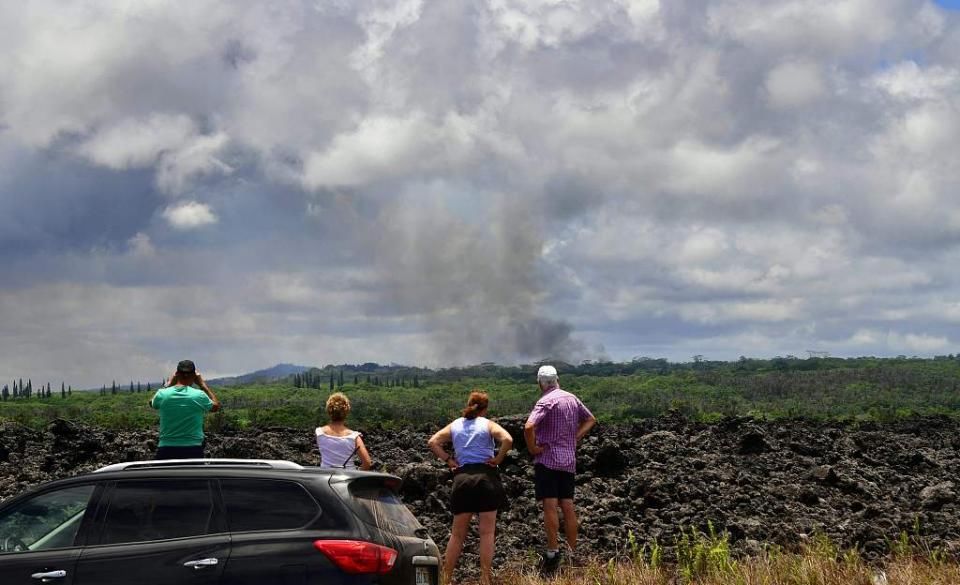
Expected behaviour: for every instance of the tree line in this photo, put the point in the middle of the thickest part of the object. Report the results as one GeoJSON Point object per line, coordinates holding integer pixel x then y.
{"type": "Point", "coordinates": [19, 390]}
{"type": "Point", "coordinates": [317, 379]}
{"type": "Point", "coordinates": [132, 389]}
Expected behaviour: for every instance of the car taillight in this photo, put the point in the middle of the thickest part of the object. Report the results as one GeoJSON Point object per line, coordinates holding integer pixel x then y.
{"type": "Point", "coordinates": [357, 557]}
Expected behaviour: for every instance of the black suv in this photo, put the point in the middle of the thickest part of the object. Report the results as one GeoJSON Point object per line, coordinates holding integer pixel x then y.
{"type": "Point", "coordinates": [215, 521]}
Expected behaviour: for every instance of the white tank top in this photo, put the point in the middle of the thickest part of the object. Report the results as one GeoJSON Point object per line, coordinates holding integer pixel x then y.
{"type": "Point", "coordinates": [472, 441]}
{"type": "Point", "coordinates": [337, 451]}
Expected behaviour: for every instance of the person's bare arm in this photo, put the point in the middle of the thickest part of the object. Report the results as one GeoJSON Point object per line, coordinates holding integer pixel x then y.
{"type": "Point", "coordinates": [506, 443]}
{"type": "Point", "coordinates": [436, 443]}
{"type": "Point", "coordinates": [365, 461]}
{"type": "Point", "coordinates": [209, 392]}
{"type": "Point", "coordinates": [585, 427]}
{"type": "Point", "coordinates": [530, 436]}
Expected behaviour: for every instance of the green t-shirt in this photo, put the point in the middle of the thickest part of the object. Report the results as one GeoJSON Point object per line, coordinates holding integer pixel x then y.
{"type": "Point", "coordinates": [181, 415]}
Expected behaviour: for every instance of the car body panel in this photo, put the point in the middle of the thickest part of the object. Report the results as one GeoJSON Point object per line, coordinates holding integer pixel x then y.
{"type": "Point", "coordinates": [18, 568]}
{"type": "Point", "coordinates": [155, 563]}
{"type": "Point", "coordinates": [260, 557]}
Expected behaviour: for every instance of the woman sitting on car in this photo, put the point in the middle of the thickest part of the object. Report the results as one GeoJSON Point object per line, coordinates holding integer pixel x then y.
{"type": "Point", "coordinates": [477, 489]}
{"type": "Point", "coordinates": [338, 444]}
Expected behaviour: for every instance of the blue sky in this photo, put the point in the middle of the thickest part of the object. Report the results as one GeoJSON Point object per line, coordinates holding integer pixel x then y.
{"type": "Point", "coordinates": [953, 4]}
{"type": "Point", "coordinates": [443, 183]}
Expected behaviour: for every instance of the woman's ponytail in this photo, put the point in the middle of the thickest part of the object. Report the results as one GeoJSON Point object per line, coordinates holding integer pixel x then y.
{"type": "Point", "coordinates": [477, 403]}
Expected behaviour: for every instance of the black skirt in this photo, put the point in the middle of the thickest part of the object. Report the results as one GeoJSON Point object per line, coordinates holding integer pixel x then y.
{"type": "Point", "coordinates": [477, 488]}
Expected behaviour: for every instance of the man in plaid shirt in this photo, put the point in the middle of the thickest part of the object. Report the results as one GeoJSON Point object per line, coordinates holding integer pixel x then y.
{"type": "Point", "coordinates": [557, 423]}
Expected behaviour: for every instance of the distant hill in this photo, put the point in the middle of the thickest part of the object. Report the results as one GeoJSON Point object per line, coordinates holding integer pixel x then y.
{"type": "Point", "coordinates": [268, 375]}
{"type": "Point", "coordinates": [394, 374]}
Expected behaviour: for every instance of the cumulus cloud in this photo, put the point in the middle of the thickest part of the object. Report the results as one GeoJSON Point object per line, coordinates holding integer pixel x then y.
{"type": "Point", "coordinates": [386, 148]}
{"type": "Point", "coordinates": [189, 215]}
{"type": "Point", "coordinates": [168, 143]}
{"type": "Point", "coordinates": [141, 246]}
{"type": "Point", "coordinates": [909, 81]}
{"type": "Point", "coordinates": [199, 157]}
{"type": "Point", "coordinates": [137, 143]}
{"type": "Point", "coordinates": [794, 84]}
{"type": "Point", "coordinates": [847, 26]}
{"type": "Point", "coordinates": [494, 180]}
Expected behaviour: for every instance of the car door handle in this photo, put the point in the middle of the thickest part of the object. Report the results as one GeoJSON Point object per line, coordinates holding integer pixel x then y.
{"type": "Point", "coordinates": [50, 575]}
{"type": "Point", "coordinates": [200, 564]}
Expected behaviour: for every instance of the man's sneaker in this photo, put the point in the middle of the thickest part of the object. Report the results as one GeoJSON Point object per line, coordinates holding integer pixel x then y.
{"type": "Point", "coordinates": [549, 565]}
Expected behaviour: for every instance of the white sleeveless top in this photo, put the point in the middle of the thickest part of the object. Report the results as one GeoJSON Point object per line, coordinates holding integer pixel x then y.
{"type": "Point", "coordinates": [337, 451]}
{"type": "Point", "coordinates": [472, 441]}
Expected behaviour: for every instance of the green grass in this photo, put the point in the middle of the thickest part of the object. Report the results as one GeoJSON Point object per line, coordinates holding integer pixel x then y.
{"type": "Point", "coordinates": [863, 390]}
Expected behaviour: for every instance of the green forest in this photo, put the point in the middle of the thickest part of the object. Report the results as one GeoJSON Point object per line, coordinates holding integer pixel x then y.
{"type": "Point", "coordinates": [390, 396]}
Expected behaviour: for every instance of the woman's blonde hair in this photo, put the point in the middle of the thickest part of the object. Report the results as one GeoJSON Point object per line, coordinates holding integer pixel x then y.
{"type": "Point", "coordinates": [338, 407]}
{"type": "Point", "coordinates": [477, 403]}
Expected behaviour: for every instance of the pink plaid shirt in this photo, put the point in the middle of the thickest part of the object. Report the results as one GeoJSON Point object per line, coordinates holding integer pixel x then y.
{"type": "Point", "coordinates": [557, 416]}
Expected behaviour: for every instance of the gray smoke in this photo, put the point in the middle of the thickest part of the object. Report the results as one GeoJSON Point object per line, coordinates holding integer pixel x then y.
{"type": "Point", "coordinates": [477, 286]}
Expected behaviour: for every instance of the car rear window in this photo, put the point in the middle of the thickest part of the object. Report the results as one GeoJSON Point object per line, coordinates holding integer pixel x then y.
{"type": "Point", "coordinates": [266, 504]}
{"type": "Point", "coordinates": [378, 504]}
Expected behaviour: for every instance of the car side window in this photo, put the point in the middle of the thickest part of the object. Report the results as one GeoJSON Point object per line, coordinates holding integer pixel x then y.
{"type": "Point", "coordinates": [263, 504]}
{"type": "Point", "coordinates": [46, 521]}
{"type": "Point", "coordinates": [146, 510]}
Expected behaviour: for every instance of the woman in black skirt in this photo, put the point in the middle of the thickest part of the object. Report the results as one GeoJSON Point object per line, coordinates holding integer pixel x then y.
{"type": "Point", "coordinates": [477, 489]}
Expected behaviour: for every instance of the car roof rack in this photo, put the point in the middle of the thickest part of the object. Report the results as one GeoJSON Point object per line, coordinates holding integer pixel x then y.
{"type": "Point", "coordinates": [200, 463]}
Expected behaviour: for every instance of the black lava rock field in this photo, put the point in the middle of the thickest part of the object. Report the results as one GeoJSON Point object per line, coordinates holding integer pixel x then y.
{"type": "Point", "coordinates": [763, 482]}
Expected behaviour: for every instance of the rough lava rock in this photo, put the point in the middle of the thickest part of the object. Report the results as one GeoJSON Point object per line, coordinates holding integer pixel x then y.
{"type": "Point", "coordinates": [763, 482]}
{"type": "Point", "coordinates": [934, 497]}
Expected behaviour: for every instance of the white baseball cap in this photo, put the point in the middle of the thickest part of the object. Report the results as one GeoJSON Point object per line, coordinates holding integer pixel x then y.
{"type": "Point", "coordinates": [547, 372]}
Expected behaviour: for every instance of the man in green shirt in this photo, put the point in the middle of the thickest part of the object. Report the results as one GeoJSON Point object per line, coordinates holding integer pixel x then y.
{"type": "Point", "coordinates": [182, 407]}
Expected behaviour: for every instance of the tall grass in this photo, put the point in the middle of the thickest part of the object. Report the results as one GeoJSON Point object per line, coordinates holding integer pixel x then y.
{"type": "Point", "coordinates": [776, 569]}
{"type": "Point", "coordinates": [706, 559]}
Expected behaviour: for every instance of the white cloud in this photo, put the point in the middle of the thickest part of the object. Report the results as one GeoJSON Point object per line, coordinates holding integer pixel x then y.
{"type": "Point", "coordinates": [810, 25]}
{"type": "Point", "coordinates": [927, 129]}
{"type": "Point", "coordinates": [83, 64]}
{"type": "Point", "coordinates": [384, 148]}
{"type": "Point", "coordinates": [380, 21]}
{"type": "Point", "coordinates": [227, 330]}
{"type": "Point", "coordinates": [137, 143]}
{"type": "Point", "coordinates": [925, 344]}
{"type": "Point", "coordinates": [772, 173]}
{"type": "Point", "coordinates": [747, 311]}
{"type": "Point", "coordinates": [643, 13]}
{"type": "Point", "coordinates": [201, 156]}
{"type": "Point", "coordinates": [168, 142]}
{"type": "Point", "coordinates": [189, 215]}
{"type": "Point", "coordinates": [866, 338]}
{"type": "Point", "coordinates": [908, 81]}
{"type": "Point", "coordinates": [794, 84]}
{"type": "Point", "coordinates": [731, 173]}
{"type": "Point", "coordinates": [549, 22]}
{"type": "Point", "coordinates": [893, 342]}
{"type": "Point", "coordinates": [704, 245]}
{"type": "Point", "coordinates": [140, 246]}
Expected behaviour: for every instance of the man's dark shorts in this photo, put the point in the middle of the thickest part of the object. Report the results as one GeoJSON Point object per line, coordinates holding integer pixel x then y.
{"type": "Point", "coordinates": [180, 452]}
{"type": "Point", "coordinates": [550, 483]}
